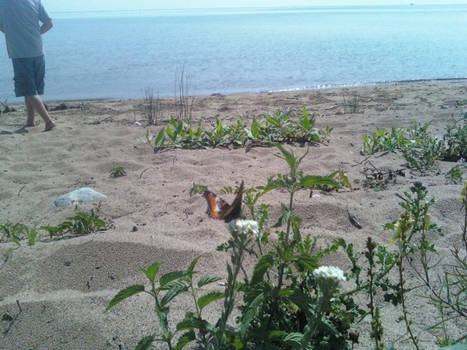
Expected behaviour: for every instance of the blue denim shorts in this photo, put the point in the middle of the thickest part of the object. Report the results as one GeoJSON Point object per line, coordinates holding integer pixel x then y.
{"type": "Point", "coordinates": [29, 76]}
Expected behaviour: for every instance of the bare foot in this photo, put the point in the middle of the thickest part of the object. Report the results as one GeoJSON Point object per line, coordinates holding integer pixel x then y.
{"type": "Point", "coordinates": [49, 126]}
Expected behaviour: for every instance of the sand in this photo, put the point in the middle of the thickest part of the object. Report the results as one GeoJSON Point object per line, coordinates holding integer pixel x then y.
{"type": "Point", "coordinates": [63, 286]}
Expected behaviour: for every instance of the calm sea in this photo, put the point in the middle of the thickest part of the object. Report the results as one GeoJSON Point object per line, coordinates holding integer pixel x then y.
{"type": "Point", "coordinates": [120, 54]}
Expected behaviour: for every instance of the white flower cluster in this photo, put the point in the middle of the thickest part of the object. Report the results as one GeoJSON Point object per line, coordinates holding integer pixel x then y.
{"type": "Point", "coordinates": [244, 226]}
{"type": "Point", "coordinates": [329, 272]}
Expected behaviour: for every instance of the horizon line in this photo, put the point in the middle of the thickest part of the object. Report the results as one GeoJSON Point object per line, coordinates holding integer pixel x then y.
{"type": "Point", "coordinates": [409, 4]}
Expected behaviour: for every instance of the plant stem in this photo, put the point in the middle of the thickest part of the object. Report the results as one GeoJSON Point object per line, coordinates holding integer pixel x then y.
{"type": "Point", "coordinates": [402, 291]}
{"type": "Point", "coordinates": [282, 266]}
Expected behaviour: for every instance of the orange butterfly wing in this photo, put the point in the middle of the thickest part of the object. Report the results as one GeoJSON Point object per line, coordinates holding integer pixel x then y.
{"type": "Point", "coordinates": [220, 209]}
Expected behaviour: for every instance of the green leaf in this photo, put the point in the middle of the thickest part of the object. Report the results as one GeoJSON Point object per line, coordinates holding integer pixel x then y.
{"type": "Point", "coordinates": [277, 334]}
{"type": "Point", "coordinates": [191, 322]}
{"type": "Point", "coordinates": [160, 138]}
{"type": "Point", "coordinates": [288, 156]}
{"type": "Point", "coordinates": [185, 339]}
{"type": "Point", "coordinates": [255, 129]}
{"type": "Point", "coordinates": [145, 343]}
{"type": "Point", "coordinates": [311, 181]}
{"type": "Point", "coordinates": [124, 294]}
{"type": "Point", "coordinates": [32, 237]}
{"type": "Point", "coordinates": [197, 189]}
{"type": "Point", "coordinates": [295, 338]}
{"type": "Point", "coordinates": [264, 263]}
{"type": "Point", "coordinates": [151, 271]}
{"type": "Point", "coordinates": [192, 265]}
{"type": "Point", "coordinates": [284, 219]}
{"type": "Point", "coordinates": [250, 313]}
{"type": "Point", "coordinates": [176, 288]}
{"type": "Point", "coordinates": [162, 313]}
{"type": "Point", "coordinates": [208, 279]}
{"type": "Point", "coordinates": [209, 298]}
{"type": "Point", "coordinates": [169, 132]}
{"type": "Point", "coordinates": [171, 276]}
{"type": "Point", "coordinates": [305, 121]}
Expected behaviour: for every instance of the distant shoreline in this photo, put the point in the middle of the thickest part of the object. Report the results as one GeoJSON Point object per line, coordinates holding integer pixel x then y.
{"type": "Point", "coordinates": [328, 87]}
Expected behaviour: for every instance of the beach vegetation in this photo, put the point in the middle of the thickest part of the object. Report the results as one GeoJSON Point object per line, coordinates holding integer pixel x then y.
{"type": "Point", "coordinates": [290, 299]}
{"type": "Point", "coordinates": [81, 223]}
{"type": "Point", "coordinates": [118, 171]}
{"type": "Point", "coordinates": [16, 232]}
{"type": "Point", "coordinates": [456, 173]}
{"type": "Point", "coordinates": [280, 127]}
{"type": "Point", "coordinates": [455, 140]}
{"type": "Point", "coordinates": [184, 103]}
{"type": "Point", "coordinates": [152, 107]}
{"type": "Point", "coordinates": [420, 149]}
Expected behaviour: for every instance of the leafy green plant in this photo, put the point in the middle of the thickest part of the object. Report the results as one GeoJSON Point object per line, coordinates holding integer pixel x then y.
{"type": "Point", "coordinates": [418, 146]}
{"type": "Point", "coordinates": [455, 174]}
{"type": "Point", "coordinates": [80, 224]}
{"type": "Point", "coordinates": [17, 232]}
{"type": "Point", "coordinates": [455, 140]}
{"type": "Point", "coordinates": [118, 171]}
{"type": "Point", "coordinates": [424, 155]}
{"type": "Point", "coordinates": [281, 127]}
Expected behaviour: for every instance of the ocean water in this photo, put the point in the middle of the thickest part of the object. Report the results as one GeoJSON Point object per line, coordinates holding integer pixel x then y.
{"type": "Point", "coordinates": [120, 54]}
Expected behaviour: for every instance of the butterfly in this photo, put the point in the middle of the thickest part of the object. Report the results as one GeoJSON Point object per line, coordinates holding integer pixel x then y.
{"type": "Point", "coordinates": [220, 209]}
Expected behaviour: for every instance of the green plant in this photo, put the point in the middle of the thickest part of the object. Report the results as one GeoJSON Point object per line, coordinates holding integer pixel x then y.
{"type": "Point", "coordinates": [424, 154]}
{"type": "Point", "coordinates": [281, 127]}
{"type": "Point", "coordinates": [118, 171]}
{"type": "Point", "coordinates": [80, 224]}
{"type": "Point", "coordinates": [17, 232]}
{"type": "Point", "coordinates": [448, 292]}
{"type": "Point", "coordinates": [455, 174]}
{"type": "Point", "coordinates": [455, 140]}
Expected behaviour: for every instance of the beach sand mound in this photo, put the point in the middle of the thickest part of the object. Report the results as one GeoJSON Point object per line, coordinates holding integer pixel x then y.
{"type": "Point", "coordinates": [56, 291]}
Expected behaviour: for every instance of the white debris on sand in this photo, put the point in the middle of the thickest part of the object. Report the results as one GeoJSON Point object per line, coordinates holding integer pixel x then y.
{"type": "Point", "coordinates": [84, 194]}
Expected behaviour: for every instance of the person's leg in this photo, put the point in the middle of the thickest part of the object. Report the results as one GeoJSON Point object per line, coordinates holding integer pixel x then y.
{"type": "Point", "coordinates": [36, 103]}
{"type": "Point", "coordinates": [30, 113]}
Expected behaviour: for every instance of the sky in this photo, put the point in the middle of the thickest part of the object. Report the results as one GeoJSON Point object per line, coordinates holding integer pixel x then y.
{"type": "Point", "coordinates": [101, 5]}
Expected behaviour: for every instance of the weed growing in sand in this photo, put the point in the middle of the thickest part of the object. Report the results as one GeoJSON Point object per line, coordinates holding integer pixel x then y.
{"type": "Point", "coordinates": [80, 224]}
{"type": "Point", "coordinates": [420, 149]}
{"type": "Point", "coordinates": [10, 232]}
{"type": "Point", "coordinates": [455, 174]}
{"type": "Point", "coordinates": [448, 291]}
{"type": "Point", "coordinates": [118, 171]}
{"type": "Point", "coordinates": [455, 140]}
{"type": "Point", "coordinates": [152, 107]}
{"type": "Point", "coordinates": [281, 127]}
{"type": "Point", "coordinates": [183, 101]}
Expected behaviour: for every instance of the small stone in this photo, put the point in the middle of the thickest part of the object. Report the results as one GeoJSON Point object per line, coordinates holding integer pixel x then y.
{"type": "Point", "coordinates": [134, 229]}
{"type": "Point", "coordinates": [67, 263]}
